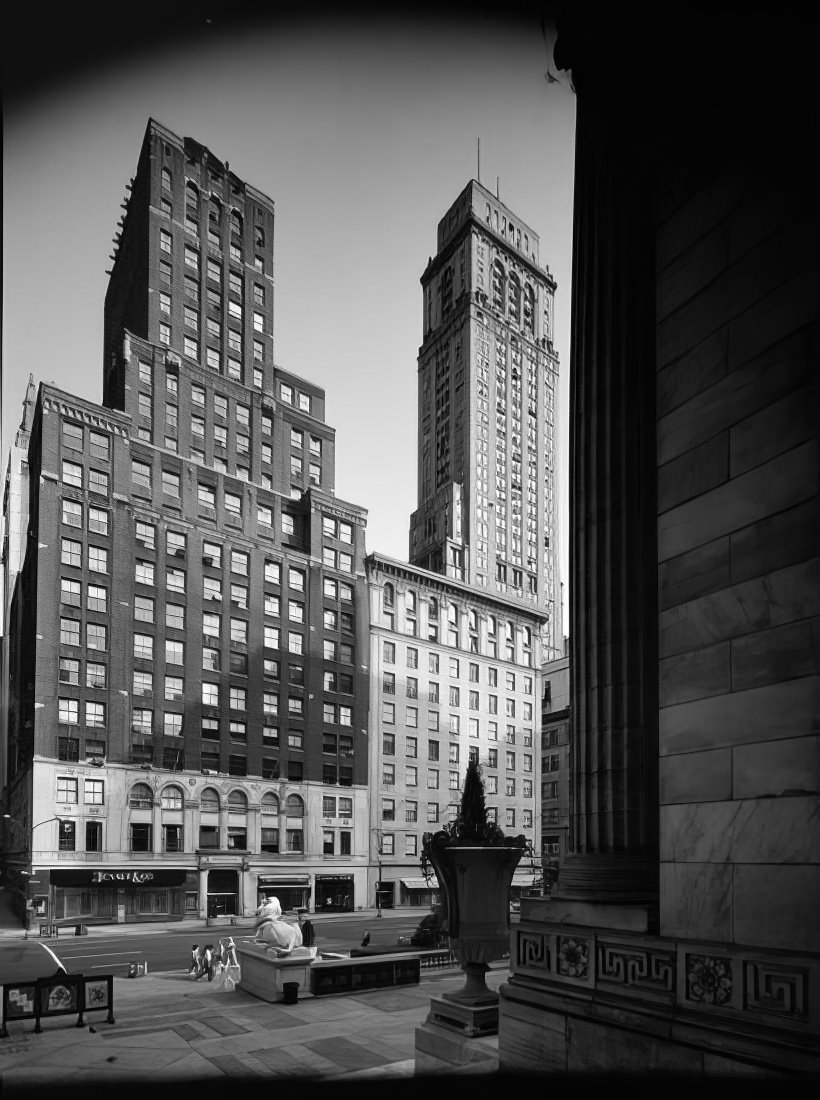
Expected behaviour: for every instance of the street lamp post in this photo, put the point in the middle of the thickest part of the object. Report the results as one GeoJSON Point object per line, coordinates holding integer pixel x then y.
{"type": "Point", "coordinates": [28, 850]}
{"type": "Point", "coordinates": [379, 889]}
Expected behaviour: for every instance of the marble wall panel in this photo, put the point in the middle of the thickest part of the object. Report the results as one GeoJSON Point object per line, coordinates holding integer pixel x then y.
{"type": "Point", "coordinates": [699, 369]}
{"type": "Point", "coordinates": [784, 311]}
{"type": "Point", "coordinates": [772, 431]}
{"type": "Point", "coordinates": [736, 290]}
{"type": "Point", "coordinates": [704, 467]}
{"type": "Point", "coordinates": [729, 396]}
{"type": "Point", "coordinates": [696, 901]}
{"type": "Point", "coordinates": [684, 277]}
{"type": "Point", "coordinates": [694, 675]}
{"type": "Point", "coordinates": [777, 541]}
{"type": "Point", "coordinates": [594, 1047]}
{"type": "Point", "coordinates": [772, 768]}
{"type": "Point", "coordinates": [696, 777]}
{"type": "Point", "coordinates": [702, 209]}
{"type": "Point", "coordinates": [777, 907]}
{"type": "Point", "coordinates": [783, 597]}
{"type": "Point", "coordinates": [775, 712]}
{"type": "Point", "coordinates": [766, 830]}
{"type": "Point", "coordinates": [702, 570]}
{"type": "Point", "coordinates": [781, 483]}
{"type": "Point", "coordinates": [769, 656]}
{"type": "Point", "coordinates": [760, 215]}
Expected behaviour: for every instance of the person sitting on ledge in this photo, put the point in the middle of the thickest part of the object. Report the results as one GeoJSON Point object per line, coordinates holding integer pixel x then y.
{"type": "Point", "coordinates": [277, 934]}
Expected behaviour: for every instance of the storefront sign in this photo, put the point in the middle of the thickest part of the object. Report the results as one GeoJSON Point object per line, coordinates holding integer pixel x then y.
{"type": "Point", "coordinates": [118, 878]}
{"type": "Point", "coordinates": [137, 877]}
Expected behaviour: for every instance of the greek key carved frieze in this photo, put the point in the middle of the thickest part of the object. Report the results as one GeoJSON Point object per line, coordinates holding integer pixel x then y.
{"type": "Point", "coordinates": [770, 988]}
{"type": "Point", "coordinates": [532, 951]}
{"type": "Point", "coordinates": [642, 969]}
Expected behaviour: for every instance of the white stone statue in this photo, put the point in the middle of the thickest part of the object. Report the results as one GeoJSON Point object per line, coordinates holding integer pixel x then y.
{"type": "Point", "coordinates": [278, 935]}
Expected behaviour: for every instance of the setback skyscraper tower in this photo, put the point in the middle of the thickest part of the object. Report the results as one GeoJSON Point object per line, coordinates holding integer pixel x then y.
{"type": "Point", "coordinates": [187, 680]}
{"type": "Point", "coordinates": [488, 376]}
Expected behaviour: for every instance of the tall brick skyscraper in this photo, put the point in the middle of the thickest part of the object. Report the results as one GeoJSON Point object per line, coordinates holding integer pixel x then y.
{"type": "Point", "coordinates": [188, 685]}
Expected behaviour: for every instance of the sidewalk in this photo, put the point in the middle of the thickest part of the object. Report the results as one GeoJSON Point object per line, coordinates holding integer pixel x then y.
{"type": "Point", "coordinates": [172, 1031]}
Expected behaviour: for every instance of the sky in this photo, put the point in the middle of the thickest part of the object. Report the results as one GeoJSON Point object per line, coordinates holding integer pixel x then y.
{"type": "Point", "coordinates": [363, 130]}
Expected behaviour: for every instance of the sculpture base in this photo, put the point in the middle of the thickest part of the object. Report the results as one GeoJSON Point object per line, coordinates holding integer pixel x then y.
{"type": "Point", "coordinates": [440, 1052]}
{"type": "Point", "coordinates": [470, 1020]}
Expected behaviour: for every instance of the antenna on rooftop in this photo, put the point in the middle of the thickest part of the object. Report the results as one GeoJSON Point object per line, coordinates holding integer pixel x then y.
{"type": "Point", "coordinates": [478, 156]}
{"type": "Point", "coordinates": [497, 182]}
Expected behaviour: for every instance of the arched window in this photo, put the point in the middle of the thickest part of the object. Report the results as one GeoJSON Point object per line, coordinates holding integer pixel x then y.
{"type": "Point", "coordinates": [270, 823]}
{"type": "Point", "coordinates": [237, 802]}
{"type": "Point", "coordinates": [410, 601]}
{"type": "Point", "coordinates": [529, 308]}
{"type": "Point", "coordinates": [166, 179]}
{"type": "Point", "coordinates": [452, 624]}
{"type": "Point", "coordinates": [141, 797]}
{"type": "Point", "coordinates": [172, 798]}
{"type": "Point", "coordinates": [473, 619]}
{"type": "Point", "coordinates": [191, 203]}
{"type": "Point", "coordinates": [499, 285]}
{"type": "Point", "coordinates": [209, 801]}
{"type": "Point", "coordinates": [514, 299]}
{"type": "Point", "coordinates": [388, 598]}
{"type": "Point", "coordinates": [214, 217]}
{"type": "Point", "coordinates": [433, 609]}
{"type": "Point", "coordinates": [489, 214]}
{"type": "Point", "coordinates": [236, 222]}
{"type": "Point", "coordinates": [294, 807]}
{"type": "Point", "coordinates": [446, 291]}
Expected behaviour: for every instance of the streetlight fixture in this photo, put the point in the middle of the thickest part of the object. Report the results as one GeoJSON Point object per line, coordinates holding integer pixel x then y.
{"type": "Point", "coordinates": [27, 875]}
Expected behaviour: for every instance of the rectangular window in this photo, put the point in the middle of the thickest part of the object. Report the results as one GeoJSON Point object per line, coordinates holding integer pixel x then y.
{"type": "Point", "coordinates": [98, 518]}
{"type": "Point", "coordinates": [72, 513]}
{"type": "Point", "coordinates": [71, 553]}
{"type": "Point", "coordinates": [94, 792]}
{"type": "Point", "coordinates": [141, 473]}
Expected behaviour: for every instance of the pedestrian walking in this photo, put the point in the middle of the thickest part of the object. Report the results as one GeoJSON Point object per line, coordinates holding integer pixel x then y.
{"type": "Point", "coordinates": [194, 966]}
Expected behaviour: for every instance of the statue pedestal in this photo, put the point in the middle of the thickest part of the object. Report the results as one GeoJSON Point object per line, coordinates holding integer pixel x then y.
{"type": "Point", "coordinates": [457, 1038]}
{"type": "Point", "coordinates": [468, 1019]}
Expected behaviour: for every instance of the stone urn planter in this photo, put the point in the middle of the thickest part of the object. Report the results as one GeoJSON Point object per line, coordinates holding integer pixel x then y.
{"type": "Point", "coordinates": [474, 863]}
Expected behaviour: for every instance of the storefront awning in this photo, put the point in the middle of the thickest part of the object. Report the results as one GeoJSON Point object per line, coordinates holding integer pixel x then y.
{"type": "Point", "coordinates": [420, 883]}
{"type": "Point", "coordinates": [284, 880]}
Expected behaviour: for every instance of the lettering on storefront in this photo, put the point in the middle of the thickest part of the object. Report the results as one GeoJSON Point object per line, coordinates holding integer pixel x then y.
{"type": "Point", "coordinates": [137, 877]}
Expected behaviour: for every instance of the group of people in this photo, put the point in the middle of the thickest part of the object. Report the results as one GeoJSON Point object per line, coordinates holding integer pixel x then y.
{"type": "Point", "coordinates": [222, 965]}
{"type": "Point", "coordinates": [277, 934]}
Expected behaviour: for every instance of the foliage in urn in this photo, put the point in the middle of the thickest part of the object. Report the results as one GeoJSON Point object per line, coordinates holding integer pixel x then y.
{"type": "Point", "coordinates": [471, 826]}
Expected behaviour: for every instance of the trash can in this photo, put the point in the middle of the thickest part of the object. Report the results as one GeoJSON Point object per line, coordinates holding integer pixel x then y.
{"type": "Point", "coordinates": [291, 992]}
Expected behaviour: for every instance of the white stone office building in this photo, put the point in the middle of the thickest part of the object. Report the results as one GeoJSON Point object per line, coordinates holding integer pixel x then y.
{"type": "Point", "coordinates": [454, 676]}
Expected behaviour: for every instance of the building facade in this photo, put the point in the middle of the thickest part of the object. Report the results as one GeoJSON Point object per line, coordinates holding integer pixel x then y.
{"type": "Point", "coordinates": [454, 677]}
{"type": "Point", "coordinates": [188, 717]}
{"type": "Point", "coordinates": [555, 766]}
{"type": "Point", "coordinates": [488, 375]}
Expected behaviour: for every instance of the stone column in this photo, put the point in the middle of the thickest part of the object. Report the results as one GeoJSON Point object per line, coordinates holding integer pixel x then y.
{"type": "Point", "coordinates": [613, 561]}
